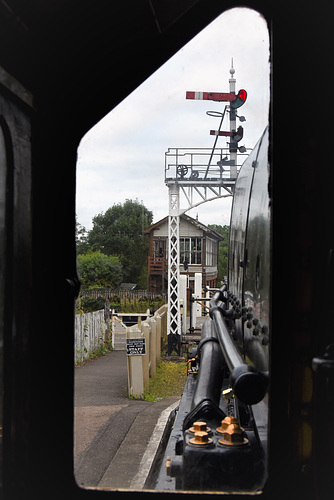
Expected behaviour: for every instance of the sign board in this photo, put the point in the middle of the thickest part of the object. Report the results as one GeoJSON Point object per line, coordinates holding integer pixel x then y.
{"type": "Point", "coordinates": [135, 347]}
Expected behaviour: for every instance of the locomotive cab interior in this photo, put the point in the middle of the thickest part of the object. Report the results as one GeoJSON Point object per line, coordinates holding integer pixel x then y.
{"type": "Point", "coordinates": [56, 81]}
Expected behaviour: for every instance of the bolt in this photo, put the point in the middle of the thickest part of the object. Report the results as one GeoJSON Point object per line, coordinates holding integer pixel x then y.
{"type": "Point", "coordinates": [168, 466]}
{"type": "Point", "coordinates": [233, 434]}
{"type": "Point", "coordinates": [199, 426]}
{"type": "Point", "coordinates": [265, 329]}
{"type": "Point", "coordinates": [265, 341]}
{"type": "Point", "coordinates": [201, 439]}
{"type": "Point", "coordinates": [225, 423]}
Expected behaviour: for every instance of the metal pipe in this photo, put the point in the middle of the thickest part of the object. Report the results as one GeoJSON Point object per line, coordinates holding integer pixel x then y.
{"type": "Point", "coordinates": [210, 375]}
{"type": "Point", "coordinates": [249, 385]}
{"type": "Point", "coordinates": [231, 354]}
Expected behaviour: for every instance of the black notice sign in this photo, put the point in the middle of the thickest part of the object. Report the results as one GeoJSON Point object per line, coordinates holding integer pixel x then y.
{"type": "Point", "coordinates": [135, 347]}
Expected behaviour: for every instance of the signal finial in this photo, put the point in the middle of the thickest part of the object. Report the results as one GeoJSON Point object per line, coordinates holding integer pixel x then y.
{"type": "Point", "coordinates": [232, 70]}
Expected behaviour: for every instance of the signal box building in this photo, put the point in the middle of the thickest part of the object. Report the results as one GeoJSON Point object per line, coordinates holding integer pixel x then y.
{"type": "Point", "coordinates": [199, 247]}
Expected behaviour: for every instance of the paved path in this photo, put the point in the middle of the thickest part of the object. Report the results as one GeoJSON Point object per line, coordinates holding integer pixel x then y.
{"type": "Point", "coordinates": [114, 437]}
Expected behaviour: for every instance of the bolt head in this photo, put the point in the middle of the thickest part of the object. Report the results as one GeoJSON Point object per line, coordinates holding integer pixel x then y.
{"type": "Point", "coordinates": [201, 439]}
{"type": "Point", "coordinates": [199, 426]}
{"type": "Point", "coordinates": [233, 434]}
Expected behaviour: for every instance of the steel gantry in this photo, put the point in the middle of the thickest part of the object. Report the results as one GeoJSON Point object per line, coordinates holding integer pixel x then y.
{"type": "Point", "coordinates": [194, 176]}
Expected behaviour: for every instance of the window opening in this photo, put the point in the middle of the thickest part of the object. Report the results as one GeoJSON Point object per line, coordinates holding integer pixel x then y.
{"type": "Point", "coordinates": [139, 201]}
{"type": "Point", "coordinates": [191, 250]}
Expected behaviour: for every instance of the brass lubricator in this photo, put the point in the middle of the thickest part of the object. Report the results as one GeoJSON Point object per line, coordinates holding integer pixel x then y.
{"type": "Point", "coordinates": [232, 433]}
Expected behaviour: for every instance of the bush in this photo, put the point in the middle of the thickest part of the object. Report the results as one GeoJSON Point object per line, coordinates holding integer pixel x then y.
{"type": "Point", "coordinates": [90, 304]}
{"type": "Point", "coordinates": [99, 271]}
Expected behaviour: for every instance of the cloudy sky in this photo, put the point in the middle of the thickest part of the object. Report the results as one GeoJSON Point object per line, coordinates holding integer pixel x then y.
{"type": "Point", "coordinates": [123, 156]}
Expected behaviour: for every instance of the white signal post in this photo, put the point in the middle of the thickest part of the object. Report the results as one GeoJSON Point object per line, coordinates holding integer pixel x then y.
{"type": "Point", "coordinates": [186, 173]}
{"type": "Point", "coordinates": [233, 119]}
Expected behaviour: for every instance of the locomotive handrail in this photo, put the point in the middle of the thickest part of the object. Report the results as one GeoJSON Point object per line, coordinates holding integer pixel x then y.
{"type": "Point", "coordinates": [249, 384]}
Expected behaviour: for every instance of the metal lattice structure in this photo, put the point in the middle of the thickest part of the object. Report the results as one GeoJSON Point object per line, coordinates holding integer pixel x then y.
{"type": "Point", "coordinates": [173, 314]}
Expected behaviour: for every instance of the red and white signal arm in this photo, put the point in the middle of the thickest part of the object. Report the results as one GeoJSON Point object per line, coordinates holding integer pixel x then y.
{"type": "Point", "coordinates": [237, 135]}
{"type": "Point", "coordinates": [235, 100]}
{"type": "Point", "coordinates": [211, 96]}
{"type": "Point", "coordinates": [240, 99]}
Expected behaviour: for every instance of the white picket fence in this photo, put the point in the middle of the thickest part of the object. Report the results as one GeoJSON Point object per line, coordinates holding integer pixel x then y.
{"type": "Point", "coordinates": [90, 331]}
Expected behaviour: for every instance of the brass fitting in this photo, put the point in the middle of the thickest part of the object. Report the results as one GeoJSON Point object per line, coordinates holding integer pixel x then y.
{"type": "Point", "coordinates": [225, 423]}
{"type": "Point", "coordinates": [168, 466]}
{"type": "Point", "coordinates": [201, 439]}
{"type": "Point", "coordinates": [228, 393]}
{"type": "Point", "coordinates": [232, 433]}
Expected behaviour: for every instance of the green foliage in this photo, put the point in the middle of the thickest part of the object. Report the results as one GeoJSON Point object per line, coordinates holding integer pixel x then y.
{"type": "Point", "coordinates": [81, 238]}
{"type": "Point", "coordinates": [127, 304]}
{"type": "Point", "coordinates": [141, 305]}
{"type": "Point", "coordinates": [119, 231]}
{"type": "Point", "coordinates": [98, 270]}
{"type": "Point", "coordinates": [90, 304]}
{"type": "Point", "coordinates": [223, 250]}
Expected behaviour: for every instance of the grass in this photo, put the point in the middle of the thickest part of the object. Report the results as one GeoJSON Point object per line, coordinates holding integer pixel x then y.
{"type": "Point", "coordinates": [169, 381]}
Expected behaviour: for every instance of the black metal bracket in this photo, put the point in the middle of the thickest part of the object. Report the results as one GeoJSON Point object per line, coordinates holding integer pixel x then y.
{"type": "Point", "coordinates": [174, 344]}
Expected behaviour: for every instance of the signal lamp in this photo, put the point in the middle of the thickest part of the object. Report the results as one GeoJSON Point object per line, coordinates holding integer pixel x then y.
{"type": "Point", "coordinates": [239, 100]}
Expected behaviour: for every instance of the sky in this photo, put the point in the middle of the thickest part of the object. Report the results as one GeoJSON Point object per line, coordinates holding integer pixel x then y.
{"type": "Point", "coordinates": [123, 156]}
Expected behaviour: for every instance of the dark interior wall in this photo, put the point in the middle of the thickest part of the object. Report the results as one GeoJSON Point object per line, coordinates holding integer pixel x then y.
{"type": "Point", "coordinates": [79, 59]}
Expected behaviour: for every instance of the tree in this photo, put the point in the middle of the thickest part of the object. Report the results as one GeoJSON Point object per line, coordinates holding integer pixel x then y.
{"type": "Point", "coordinates": [81, 236]}
{"type": "Point", "coordinates": [119, 231]}
{"type": "Point", "coordinates": [98, 270]}
{"type": "Point", "coordinates": [223, 250]}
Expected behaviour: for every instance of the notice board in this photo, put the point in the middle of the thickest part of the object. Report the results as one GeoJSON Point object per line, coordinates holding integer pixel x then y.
{"type": "Point", "coordinates": [136, 347]}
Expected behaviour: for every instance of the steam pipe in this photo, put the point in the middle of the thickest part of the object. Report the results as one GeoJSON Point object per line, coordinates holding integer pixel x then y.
{"type": "Point", "coordinates": [210, 375]}
{"type": "Point", "coordinates": [249, 385]}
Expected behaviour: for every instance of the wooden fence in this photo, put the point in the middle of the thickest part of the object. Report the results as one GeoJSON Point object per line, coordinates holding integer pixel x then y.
{"type": "Point", "coordinates": [122, 293]}
{"type": "Point", "coordinates": [90, 334]}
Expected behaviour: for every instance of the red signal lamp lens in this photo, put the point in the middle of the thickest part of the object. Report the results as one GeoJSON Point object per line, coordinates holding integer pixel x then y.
{"type": "Point", "coordinates": [242, 94]}
{"type": "Point", "coordinates": [239, 99]}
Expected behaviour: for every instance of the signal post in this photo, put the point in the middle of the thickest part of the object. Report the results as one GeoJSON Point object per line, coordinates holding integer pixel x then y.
{"type": "Point", "coordinates": [200, 176]}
